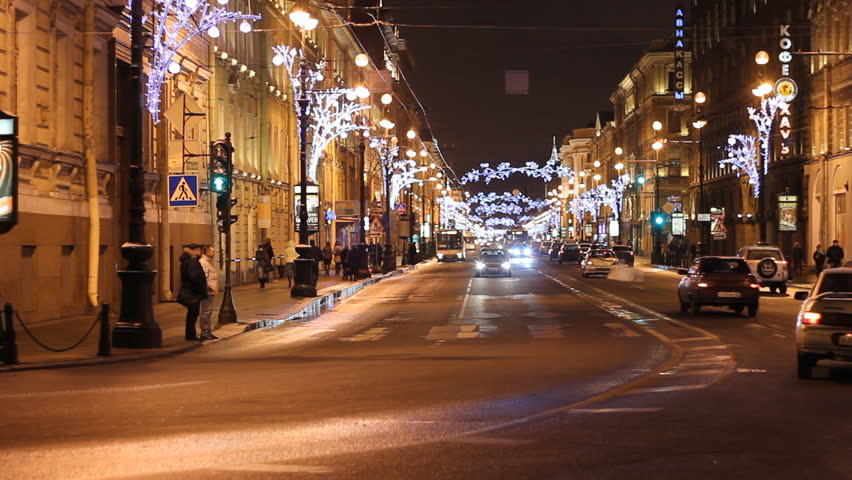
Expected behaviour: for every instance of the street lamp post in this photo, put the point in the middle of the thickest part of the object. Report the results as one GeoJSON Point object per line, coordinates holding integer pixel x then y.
{"type": "Point", "coordinates": [136, 326]}
{"type": "Point", "coordinates": [699, 123]}
{"type": "Point", "coordinates": [305, 281]}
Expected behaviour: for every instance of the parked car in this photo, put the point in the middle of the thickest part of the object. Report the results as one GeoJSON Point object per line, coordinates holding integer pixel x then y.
{"type": "Point", "coordinates": [544, 248]}
{"type": "Point", "coordinates": [768, 265]}
{"type": "Point", "coordinates": [624, 254]}
{"type": "Point", "coordinates": [718, 281]}
{"type": "Point", "coordinates": [824, 324]}
{"type": "Point", "coordinates": [555, 247]}
{"type": "Point", "coordinates": [493, 262]}
{"type": "Point", "coordinates": [598, 262]}
{"type": "Point", "coordinates": [570, 252]}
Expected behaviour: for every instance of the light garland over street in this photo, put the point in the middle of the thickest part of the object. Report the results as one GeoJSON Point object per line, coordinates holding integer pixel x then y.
{"type": "Point", "coordinates": [175, 22]}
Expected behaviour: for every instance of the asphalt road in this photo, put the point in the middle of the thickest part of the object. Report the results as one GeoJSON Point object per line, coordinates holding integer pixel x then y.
{"type": "Point", "coordinates": [440, 375]}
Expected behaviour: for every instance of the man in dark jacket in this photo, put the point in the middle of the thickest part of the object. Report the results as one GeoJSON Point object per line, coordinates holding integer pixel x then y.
{"type": "Point", "coordinates": [193, 287]}
{"type": "Point", "coordinates": [834, 254]}
{"type": "Point", "coordinates": [316, 255]}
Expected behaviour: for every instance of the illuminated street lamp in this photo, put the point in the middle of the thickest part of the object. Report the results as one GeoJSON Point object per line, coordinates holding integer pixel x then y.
{"type": "Point", "coordinates": [761, 58]}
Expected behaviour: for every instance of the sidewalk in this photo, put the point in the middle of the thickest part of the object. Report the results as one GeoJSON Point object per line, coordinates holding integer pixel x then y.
{"type": "Point", "coordinates": [804, 280]}
{"type": "Point", "coordinates": [256, 308]}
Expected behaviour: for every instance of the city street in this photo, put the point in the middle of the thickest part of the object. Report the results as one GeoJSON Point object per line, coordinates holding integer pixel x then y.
{"type": "Point", "coordinates": [437, 374]}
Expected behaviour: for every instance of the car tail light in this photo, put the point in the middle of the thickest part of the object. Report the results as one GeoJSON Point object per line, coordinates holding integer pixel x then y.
{"type": "Point", "coordinates": [703, 284]}
{"type": "Point", "coordinates": [811, 318]}
{"type": "Point", "coordinates": [754, 285]}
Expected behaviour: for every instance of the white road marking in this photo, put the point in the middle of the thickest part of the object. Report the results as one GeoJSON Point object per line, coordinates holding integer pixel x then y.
{"type": "Point", "coordinates": [692, 339]}
{"type": "Point", "coordinates": [372, 334]}
{"type": "Point", "coordinates": [140, 388]}
{"type": "Point", "coordinates": [621, 329]}
{"type": "Point", "coordinates": [273, 468]}
{"type": "Point", "coordinates": [675, 388]}
{"type": "Point", "coordinates": [751, 370]}
{"type": "Point", "coordinates": [708, 347]}
{"type": "Point", "coordinates": [614, 410]}
{"type": "Point", "coordinates": [684, 373]}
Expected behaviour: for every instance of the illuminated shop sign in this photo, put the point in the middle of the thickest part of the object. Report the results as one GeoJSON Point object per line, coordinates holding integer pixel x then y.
{"type": "Point", "coordinates": [679, 48]}
{"type": "Point", "coordinates": [785, 88]}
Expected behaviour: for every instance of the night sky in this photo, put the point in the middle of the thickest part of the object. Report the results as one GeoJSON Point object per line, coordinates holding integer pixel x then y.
{"type": "Point", "coordinates": [575, 58]}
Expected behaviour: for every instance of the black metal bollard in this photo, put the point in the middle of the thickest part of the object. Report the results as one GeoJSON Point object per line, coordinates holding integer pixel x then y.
{"type": "Point", "coordinates": [10, 345]}
{"type": "Point", "coordinates": [104, 343]}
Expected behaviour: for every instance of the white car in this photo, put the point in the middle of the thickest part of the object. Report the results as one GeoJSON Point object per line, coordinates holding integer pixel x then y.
{"type": "Point", "coordinates": [768, 266]}
{"type": "Point", "coordinates": [824, 325]}
{"type": "Point", "coordinates": [598, 262]}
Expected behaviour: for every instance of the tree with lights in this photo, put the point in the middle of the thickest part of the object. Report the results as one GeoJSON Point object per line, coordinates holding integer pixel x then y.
{"type": "Point", "coordinates": [743, 157]}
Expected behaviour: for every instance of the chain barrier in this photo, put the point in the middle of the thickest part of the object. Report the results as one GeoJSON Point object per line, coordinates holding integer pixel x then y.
{"type": "Point", "coordinates": [57, 350]}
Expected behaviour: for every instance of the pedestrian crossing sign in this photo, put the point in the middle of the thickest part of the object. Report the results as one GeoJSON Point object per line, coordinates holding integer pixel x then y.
{"type": "Point", "coordinates": [183, 190]}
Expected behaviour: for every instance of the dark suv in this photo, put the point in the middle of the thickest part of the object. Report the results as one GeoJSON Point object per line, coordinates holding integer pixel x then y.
{"type": "Point", "coordinates": [570, 252]}
{"type": "Point", "coordinates": [624, 254]}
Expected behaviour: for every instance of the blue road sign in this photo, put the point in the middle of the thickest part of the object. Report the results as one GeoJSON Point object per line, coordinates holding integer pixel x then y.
{"type": "Point", "coordinates": [183, 190]}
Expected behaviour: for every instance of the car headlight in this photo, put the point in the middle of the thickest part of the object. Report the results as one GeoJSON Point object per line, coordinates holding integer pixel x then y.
{"type": "Point", "coordinates": [480, 265]}
{"type": "Point", "coordinates": [506, 265]}
{"type": "Point", "coordinates": [527, 251]}
{"type": "Point", "coordinates": [514, 251]}
{"type": "Point", "coordinates": [440, 255]}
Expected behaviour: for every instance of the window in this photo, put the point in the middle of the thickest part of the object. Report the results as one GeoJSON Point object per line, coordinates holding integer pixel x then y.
{"type": "Point", "coordinates": [840, 203]}
{"type": "Point", "coordinates": [674, 121]}
{"type": "Point", "coordinates": [835, 283]}
{"type": "Point", "coordinates": [718, 265]}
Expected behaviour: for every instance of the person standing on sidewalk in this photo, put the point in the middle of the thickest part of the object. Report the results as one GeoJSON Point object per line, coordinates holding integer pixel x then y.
{"type": "Point", "coordinates": [834, 255]}
{"type": "Point", "coordinates": [208, 252]}
{"type": "Point", "coordinates": [267, 246]}
{"type": "Point", "coordinates": [290, 257]}
{"type": "Point", "coordinates": [819, 259]}
{"type": "Point", "coordinates": [327, 255]}
{"type": "Point", "coordinates": [316, 255]}
{"type": "Point", "coordinates": [798, 258]}
{"type": "Point", "coordinates": [193, 287]}
{"type": "Point", "coordinates": [344, 262]}
{"type": "Point", "coordinates": [261, 265]}
{"type": "Point", "coordinates": [337, 262]}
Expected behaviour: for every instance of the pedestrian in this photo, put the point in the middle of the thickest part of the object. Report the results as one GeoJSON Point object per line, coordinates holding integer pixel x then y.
{"type": "Point", "coordinates": [316, 256]}
{"type": "Point", "coordinates": [193, 287]}
{"type": "Point", "coordinates": [344, 262]}
{"type": "Point", "coordinates": [819, 259]}
{"type": "Point", "coordinates": [834, 254]}
{"type": "Point", "coordinates": [693, 251]}
{"type": "Point", "coordinates": [412, 253]}
{"type": "Point", "coordinates": [267, 246]}
{"type": "Point", "coordinates": [290, 257]}
{"type": "Point", "coordinates": [338, 265]}
{"type": "Point", "coordinates": [327, 255]}
{"type": "Point", "coordinates": [798, 258]}
{"type": "Point", "coordinates": [261, 265]}
{"type": "Point", "coordinates": [206, 310]}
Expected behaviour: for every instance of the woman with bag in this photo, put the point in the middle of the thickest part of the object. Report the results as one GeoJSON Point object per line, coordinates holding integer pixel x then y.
{"type": "Point", "coordinates": [193, 287]}
{"type": "Point", "coordinates": [262, 265]}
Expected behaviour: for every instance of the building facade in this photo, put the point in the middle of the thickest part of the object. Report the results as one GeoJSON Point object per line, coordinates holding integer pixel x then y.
{"type": "Point", "coordinates": [65, 74]}
{"type": "Point", "coordinates": [828, 168]}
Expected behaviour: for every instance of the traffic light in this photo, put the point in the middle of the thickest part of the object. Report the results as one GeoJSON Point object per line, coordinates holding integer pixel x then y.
{"type": "Point", "coordinates": [224, 219]}
{"type": "Point", "coordinates": [220, 166]}
{"type": "Point", "coordinates": [640, 179]}
{"type": "Point", "coordinates": [658, 220]}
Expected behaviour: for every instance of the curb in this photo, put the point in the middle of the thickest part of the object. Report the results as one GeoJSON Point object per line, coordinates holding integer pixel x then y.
{"type": "Point", "coordinates": [313, 308]}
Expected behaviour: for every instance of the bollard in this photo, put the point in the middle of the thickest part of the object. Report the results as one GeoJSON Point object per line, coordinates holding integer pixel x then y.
{"type": "Point", "coordinates": [104, 344]}
{"type": "Point", "coordinates": [10, 346]}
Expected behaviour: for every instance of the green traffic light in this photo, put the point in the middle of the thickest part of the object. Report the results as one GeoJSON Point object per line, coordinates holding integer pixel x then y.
{"type": "Point", "coordinates": [658, 220]}
{"type": "Point", "coordinates": [220, 184]}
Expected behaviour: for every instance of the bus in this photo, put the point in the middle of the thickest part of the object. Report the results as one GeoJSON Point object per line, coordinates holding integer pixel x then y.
{"type": "Point", "coordinates": [469, 244]}
{"type": "Point", "coordinates": [450, 245]}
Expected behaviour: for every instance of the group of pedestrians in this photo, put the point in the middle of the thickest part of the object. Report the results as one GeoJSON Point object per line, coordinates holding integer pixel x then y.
{"type": "Point", "coordinates": [198, 286]}
{"type": "Point", "coordinates": [834, 256]}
